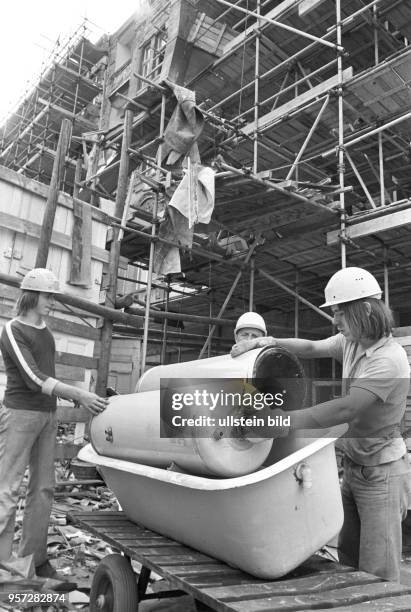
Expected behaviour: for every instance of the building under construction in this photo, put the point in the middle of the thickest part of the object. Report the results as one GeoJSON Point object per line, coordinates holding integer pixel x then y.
{"type": "Point", "coordinates": [278, 131]}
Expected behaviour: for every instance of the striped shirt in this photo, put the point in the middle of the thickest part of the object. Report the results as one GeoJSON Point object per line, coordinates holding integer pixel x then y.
{"type": "Point", "coordinates": [29, 357]}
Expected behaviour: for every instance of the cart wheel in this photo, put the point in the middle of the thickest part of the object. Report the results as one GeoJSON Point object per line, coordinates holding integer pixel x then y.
{"type": "Point", "coordinates": [114, 586]}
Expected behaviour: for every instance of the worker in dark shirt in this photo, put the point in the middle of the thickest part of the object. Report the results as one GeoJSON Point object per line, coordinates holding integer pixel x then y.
{"type": "Point", "coordinates": [28, 419]}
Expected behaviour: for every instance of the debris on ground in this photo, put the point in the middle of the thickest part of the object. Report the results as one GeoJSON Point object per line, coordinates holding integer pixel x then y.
{"type": "Point", "coordinates": [74, 553]}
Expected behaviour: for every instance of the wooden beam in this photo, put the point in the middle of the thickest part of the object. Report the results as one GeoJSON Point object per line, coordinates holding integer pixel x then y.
{"type": "Point", "coordinates": [86, 305]}
{"type": "Point", "coordinates": [72, 359]}
{"type": "Point", "coordinates": [74, 329]}
{"type": "Point", "coordinates": [111, 287]}
{"type": "Point", "coordinates": [372, 226]}
{"type": "Point", "coordinates": [34, 187]}
{"type": "Point", "coordinates": [71, 373]}
{"type": "Point", "coordinates": [51, 204]}
{"type": "Point", "coordinates": [283, 111]}
{"type": "Point", "coordinates": [64, 241]}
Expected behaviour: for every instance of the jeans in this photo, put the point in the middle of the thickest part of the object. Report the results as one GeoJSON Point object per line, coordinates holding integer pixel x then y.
{"type": "Point", "coordinates": [27, 438]}
{"type": "Point", "coordinates": [375, 500]}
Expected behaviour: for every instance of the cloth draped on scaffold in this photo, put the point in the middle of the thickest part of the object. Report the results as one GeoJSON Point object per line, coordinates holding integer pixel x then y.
{"type": "Point", "coordinates": [184, 127]}
{"type": "Point", "coordinates": [193, 199]}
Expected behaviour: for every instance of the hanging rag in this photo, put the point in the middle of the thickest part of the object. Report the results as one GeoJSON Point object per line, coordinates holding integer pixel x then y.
{"type": "Point", "coordinates": [184, 127]}
{"type": "Point", "coordinates": [174, 227]}
{"type": "Point", "coordinates": [192, 202]}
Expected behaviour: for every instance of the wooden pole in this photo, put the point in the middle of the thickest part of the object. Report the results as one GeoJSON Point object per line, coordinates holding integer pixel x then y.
{"type": "Point", "coordinates": [51, 204]}
{"type": "Point", "coordinates": [77, 177]}
{"type": "Point", "coordinates": [152, 245]}
{"type": "Point", "coordinates": [111, 287]}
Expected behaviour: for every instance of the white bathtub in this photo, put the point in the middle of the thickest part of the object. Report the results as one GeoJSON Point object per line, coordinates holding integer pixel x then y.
{"type": "Point", "coordinates": [265, 523]}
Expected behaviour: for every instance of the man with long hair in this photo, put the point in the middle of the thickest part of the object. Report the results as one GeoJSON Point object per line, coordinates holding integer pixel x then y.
{"type": "Point", "coordinates": [28, 418]}
{"type": "Point", "coordinates": [376, 379]}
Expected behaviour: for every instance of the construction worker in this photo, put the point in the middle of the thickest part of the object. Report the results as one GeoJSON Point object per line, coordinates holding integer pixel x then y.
{"type": "Point", "coordinates": [249, 326]}
{"type": "Point", "coordinates": [28, 419]}
{"type": "Point", "coordinates": [376, 483]}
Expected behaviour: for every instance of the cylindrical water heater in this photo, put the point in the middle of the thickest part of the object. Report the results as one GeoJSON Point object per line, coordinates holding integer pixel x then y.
{"type": "Point", "coordinates": [271, 369]}
{"type": "Point", "coordinates": [129, 428]}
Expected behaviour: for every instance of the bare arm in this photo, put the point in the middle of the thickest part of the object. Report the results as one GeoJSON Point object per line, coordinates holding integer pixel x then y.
{"type": "Point", "coordinates": [335, 411]}
{"type": "Point", "coordinates": [306, 349]}
{"type": "Point", "coordinates": [92, 402]}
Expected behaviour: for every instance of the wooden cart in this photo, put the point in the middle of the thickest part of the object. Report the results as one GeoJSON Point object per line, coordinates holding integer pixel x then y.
{"type": "Point", "coordinates": [318, 584]}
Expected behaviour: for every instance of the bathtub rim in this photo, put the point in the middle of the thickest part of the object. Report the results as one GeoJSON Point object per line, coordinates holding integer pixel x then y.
{"type": "Point", "coordinates": [89, 455]}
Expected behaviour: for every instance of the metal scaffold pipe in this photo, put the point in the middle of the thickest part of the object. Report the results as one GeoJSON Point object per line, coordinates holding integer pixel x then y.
{"type": "Point", "coordinates": [270, 186]}
{"type": "Point", "coordinates": [341, 166]}
{"type": "Point", "coordinates": [228, 298]}
{"type": "Point", "coordinates": [275, 281]}
{"type": "Point", "coordinates": [372, 132]}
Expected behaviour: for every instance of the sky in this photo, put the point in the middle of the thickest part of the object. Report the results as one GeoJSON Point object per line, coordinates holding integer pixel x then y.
{"type": "Point", "coordinates": [31, 28]}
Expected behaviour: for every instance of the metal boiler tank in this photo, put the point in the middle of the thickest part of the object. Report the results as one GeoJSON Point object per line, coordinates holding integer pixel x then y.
{"type": "Point", "coordinates": [129, 428]}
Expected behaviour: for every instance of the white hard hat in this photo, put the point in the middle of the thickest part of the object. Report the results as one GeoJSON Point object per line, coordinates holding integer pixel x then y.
{"type": "Point", "coordinates": [350, 284]}
{"type": "Point", "coordinates": [251, 319]}
{"type": "Point", "coordinates": [40, 279]}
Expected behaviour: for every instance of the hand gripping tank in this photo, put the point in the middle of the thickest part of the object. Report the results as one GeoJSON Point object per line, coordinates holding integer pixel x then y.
{"type": "Point", "coordinates": [129, 428]}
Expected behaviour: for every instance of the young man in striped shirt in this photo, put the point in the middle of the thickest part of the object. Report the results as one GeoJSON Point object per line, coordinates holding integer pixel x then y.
{"type": "Point", "coordinates": [28, 418]}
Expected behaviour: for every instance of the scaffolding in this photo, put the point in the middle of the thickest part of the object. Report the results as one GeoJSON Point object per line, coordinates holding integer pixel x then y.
{"type": "Point", "coordinates": [70, 86]}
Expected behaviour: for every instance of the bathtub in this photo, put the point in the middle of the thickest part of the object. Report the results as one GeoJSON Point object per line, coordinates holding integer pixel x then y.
{"type": "Point", "coordinates": [265, 523]}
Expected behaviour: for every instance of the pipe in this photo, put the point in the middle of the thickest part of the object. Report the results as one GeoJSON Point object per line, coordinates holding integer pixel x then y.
{"type": "Point", "coordinates": [273, 187]}
{"type": "Point", "coordinates": [377, 130]}
{"type": "Point", "coordinates": [341, 166]}
{"type": "Point", "coordinates": [297, 82]}
{"type": "Point", "coordinates": [386, 285]}
{"type": "Point", "coordinates": [228, 298]}
{"type": "Point", "coordinates": [294, 293]}
{"type": "Point", "coordinates": [134, 317]}
{"type": "Point", "coordinates": [308, 138]}
{"type": "Point", "coordinates": [256, 91]}
{"type": "Point", "coordinates": [252, 275]}
{"type": "Point", "coordinates": [359, 178]}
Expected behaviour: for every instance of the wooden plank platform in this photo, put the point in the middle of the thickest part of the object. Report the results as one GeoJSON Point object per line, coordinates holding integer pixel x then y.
{"type": "Point", "coordinates": [318, 584]}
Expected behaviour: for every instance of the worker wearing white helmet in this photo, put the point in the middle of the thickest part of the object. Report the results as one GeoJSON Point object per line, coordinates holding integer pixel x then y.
{"type": "Point", "coordinates": [376, 377]}
{"type": "Point", "coordinates": [28, 418]}
{"type": "Point", "coordinates": [249, 326]}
